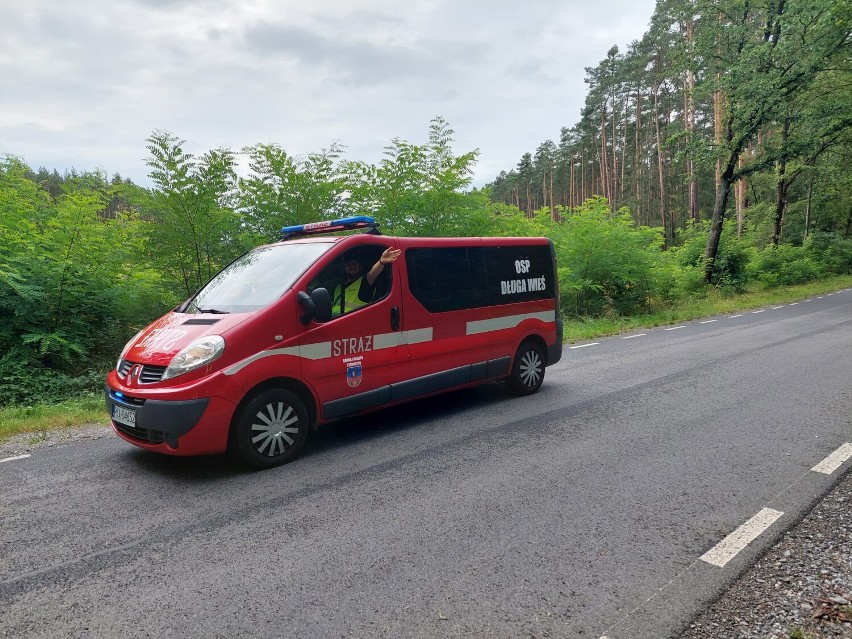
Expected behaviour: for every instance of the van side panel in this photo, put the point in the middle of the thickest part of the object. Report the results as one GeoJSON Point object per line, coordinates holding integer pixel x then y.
{"type": "Point", "coordinates": [479, 299]}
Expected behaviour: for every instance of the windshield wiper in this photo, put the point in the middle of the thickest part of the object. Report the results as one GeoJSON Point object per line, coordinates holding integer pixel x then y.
{"type": "Point", "coordinates": [215, 311]}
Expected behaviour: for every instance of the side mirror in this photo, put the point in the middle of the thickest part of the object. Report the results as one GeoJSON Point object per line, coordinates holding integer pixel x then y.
{"type": "Point", "coordinates": [317, 305]}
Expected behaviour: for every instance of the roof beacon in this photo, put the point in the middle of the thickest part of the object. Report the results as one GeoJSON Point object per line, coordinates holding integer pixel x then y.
{"type": "Point", "coordinates": [331, 226]}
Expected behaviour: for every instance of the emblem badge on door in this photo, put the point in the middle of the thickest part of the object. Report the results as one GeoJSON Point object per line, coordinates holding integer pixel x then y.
{"type": "Point", "coordinates": [353, 373]}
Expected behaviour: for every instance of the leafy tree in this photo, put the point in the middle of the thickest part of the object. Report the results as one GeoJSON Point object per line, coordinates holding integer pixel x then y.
{"type": "Point", "coordinates": [417, 189]}
{"type": "Point", "coordinates": [71, 288]}
{"type": "Point", "coordinates": [282, 190]}
{"type": "Point", "coordinates": [195, 229]}
{"type": "Point", "coordinates": [764, 56]}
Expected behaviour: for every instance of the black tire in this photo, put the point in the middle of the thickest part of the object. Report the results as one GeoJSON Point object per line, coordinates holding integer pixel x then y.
{"type": "Point", "coordinates": [271, 430]}
{"type": "Point", "coordinates": [527, 369]}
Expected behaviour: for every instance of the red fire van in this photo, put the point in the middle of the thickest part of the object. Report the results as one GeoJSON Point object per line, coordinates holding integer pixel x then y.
{"type": "Point", "coordinates": [317, 326]}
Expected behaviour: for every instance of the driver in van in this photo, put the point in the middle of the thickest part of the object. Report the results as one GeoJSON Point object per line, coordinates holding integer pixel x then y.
{"type": "Point", "coordinates": [358, 290]}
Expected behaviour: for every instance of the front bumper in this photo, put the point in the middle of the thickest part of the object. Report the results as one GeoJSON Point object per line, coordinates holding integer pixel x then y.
{"type": "Point", "coordinates": [175, 427]}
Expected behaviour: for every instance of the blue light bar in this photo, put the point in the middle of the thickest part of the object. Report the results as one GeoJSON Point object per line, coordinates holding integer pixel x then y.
{"type": "Point", "coordinates": [329, 226]}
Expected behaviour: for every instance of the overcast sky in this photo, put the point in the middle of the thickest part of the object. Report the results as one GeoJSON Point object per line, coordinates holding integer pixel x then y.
{"type": "Point", "coordinates": [83, 83]}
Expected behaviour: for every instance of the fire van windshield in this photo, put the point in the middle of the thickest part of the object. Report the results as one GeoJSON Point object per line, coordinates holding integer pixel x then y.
{"type": "Point", "coordinates": [257, 278]}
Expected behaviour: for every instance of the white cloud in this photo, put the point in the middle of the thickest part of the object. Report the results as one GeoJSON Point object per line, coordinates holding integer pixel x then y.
{"type": "Point", "coordinates": [86, 82]}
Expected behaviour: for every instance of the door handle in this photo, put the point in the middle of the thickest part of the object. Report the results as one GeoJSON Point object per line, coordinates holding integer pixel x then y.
{"type": "Point", "coordinates": [394, 318]}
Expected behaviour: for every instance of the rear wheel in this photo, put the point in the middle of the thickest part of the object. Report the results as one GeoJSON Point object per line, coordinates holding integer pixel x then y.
{"type": "Point", "coordinates": [272, 429]}
{"type": "Point", "coordinates": [528, 369]}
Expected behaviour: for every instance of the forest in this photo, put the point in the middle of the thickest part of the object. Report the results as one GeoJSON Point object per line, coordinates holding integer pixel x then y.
{"type": "Point", "coordinates": [712, 156]}
{"type": "Point", "coordinates": [742, 103]}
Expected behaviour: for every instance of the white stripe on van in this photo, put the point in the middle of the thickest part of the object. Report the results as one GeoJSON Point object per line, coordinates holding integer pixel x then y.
{"type": "Point", "coordinates": [400, 338]}
{"type": "Point", "coordinates": [510, 321]}
{"type": "Point", "coordinates": [386, 340]}
{"type": "Point", "coordinates": [318, 350]}
{"type": "Point", "coordinates": [417, 336]}
{"type": "Point", "coordinates": [322, 350]}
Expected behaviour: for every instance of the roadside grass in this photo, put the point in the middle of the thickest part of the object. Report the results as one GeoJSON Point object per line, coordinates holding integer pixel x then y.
{"type": "Point", "coordinates": [40, 418]}
{"type": "Point", "coordinates": [87, 409]}
{"type": "Point", "coordinates": [715, 303]}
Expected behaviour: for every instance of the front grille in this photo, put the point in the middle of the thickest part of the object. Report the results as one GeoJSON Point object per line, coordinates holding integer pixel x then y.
{"type": "Point", "coordinates": [142, 434]}
{"type": "Point", "coordinates": [149, 374]}
{"type": "Point", "coordinates": [123, 368]}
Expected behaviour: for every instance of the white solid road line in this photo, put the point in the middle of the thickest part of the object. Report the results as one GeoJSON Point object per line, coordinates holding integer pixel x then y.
{"type": "Point", "coordinates": [730, 546]}
{"type": "Point", "coordinates": [13, 458]}
{"type": "Point", "coordinates": [834, 461]}
{"type": "Point", "coordinates": [584, 345]}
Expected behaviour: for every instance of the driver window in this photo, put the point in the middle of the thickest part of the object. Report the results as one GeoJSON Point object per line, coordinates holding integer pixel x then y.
{"type": "Point", "coordinates": [355, 279]}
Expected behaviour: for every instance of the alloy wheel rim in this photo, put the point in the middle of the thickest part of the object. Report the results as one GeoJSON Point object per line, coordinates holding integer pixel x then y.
{"type": "Point", "coordinates": [274, 428]}
{"type": "Point", "coordinates": [530, 369]}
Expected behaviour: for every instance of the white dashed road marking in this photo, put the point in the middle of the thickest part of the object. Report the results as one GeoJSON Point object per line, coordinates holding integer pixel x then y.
{"type": "Point", "coordinates": [674, 328]}
{"type": "Point", "coordinates": [584, 345]}
{"type": "Point", "coordinates": [760, 311]}
{"type": "Point", "coordinates": [13, 458]}
{"type": "Point", "coordinates": [708, 321]}
{"type": "Point", "coordinates": [834, 461]}
{"type": "Point", "coordinates": [632, 336]}
{"type": "Point", "coordinates": [733, 316]}
{"type": "Point", "coordinates": [731, 545]}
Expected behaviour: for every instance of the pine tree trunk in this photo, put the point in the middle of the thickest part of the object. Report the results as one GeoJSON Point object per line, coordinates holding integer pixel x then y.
{"type": "Point", "coordinates": [848, 224]}
{"type": "Point", "coordinates": [717, 132]}
{"type": "Point", "coordinates": [663, 217]}
{"type": "Point", "coordinates": [689, 126]}
{"type": "Point", "coordinates": [604, 163]}
{"type": "Point", "coordinates": [781, 188]}
{"type": "Point", "coordinates": [740, 200]}
{"type": "Point", "coordinates": [718, 219]}
{"type": "Point", "coordinates": [808, 208]}
{"type": "Point", "coordinates": [553, 215]}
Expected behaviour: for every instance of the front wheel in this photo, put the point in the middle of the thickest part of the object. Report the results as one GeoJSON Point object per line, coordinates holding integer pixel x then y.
{"type": "Point", "coordinates": [528, 369]}
{"type": "Point", "coordinates": [272, 429]}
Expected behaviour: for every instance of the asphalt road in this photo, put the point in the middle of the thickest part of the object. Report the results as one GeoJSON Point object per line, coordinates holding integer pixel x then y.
{"type": "Point", "coordinates": [582, 511]}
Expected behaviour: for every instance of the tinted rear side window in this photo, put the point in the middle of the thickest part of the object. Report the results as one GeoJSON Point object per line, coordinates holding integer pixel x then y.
{"type": "Point", "coordinates": [447, 279]}
{"type": "Point", "coordinates": [455, 278]}
{"type": "Point", "coordinates": [519, 273]}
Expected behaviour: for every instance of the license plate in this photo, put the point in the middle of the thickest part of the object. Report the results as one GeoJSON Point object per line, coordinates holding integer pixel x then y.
{"type": "Point", "coordinates": [123, 415]}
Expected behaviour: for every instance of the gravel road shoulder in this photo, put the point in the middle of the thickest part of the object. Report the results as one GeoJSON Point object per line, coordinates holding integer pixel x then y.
{"type": "Point", "coordinates": [27, 443]}
{"type": "Point", "coordinates": [800, 589]}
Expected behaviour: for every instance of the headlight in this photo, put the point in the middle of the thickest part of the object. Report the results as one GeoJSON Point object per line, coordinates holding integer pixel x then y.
{"type": "Point", "coordinates": [200, 353]}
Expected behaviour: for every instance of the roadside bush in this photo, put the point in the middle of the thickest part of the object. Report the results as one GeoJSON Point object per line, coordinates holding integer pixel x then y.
{"type": "Point", "coordinates": [831, 250]}
{"type": "Point", "coordinates": [73, 288]}
{"type": "Point", "coordinates": [784, 265]}
{"type": "Point", "coordinates": [730, 269]}
{"type": "Point", "coordinates": [26, 381]}
{"type": "Point", "coordinates": [608, 265]}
